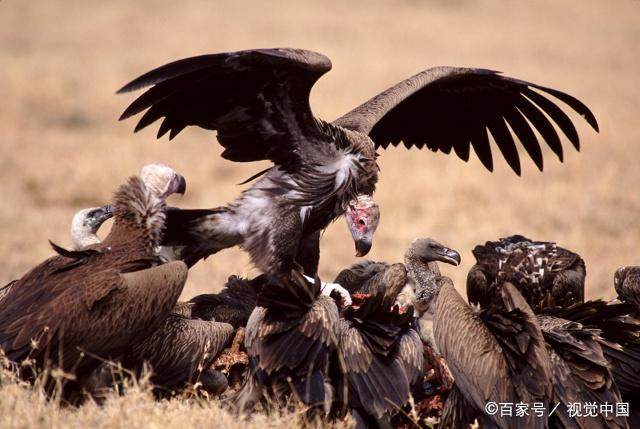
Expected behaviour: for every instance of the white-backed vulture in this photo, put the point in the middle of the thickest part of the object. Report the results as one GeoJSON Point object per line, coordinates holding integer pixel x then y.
{"type": "Point", "coordinates": [258, 103]}
{"type": "Point", "coordinates": [541, 271]}
{"type": "Point", "coordinates": [496, 355]}
{"type": "Point", "coordinates": [289, 338]}
{"type": "Point", "coordinates": [81, 306]}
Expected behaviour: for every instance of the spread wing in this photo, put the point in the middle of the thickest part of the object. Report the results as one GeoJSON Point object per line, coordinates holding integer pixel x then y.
{"type": "Point", "coordinates": [445, 108]}
{"type": "Point", "coordinates": [257, 101]}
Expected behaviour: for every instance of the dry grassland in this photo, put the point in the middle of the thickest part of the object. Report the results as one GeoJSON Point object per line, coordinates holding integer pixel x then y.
{"type": "Point", "coordinates": [62, 148]}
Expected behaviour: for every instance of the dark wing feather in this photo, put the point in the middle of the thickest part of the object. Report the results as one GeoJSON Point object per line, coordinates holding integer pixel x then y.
{"type": "Point", "coordinates": [446, 108]}
{"type": "Point", "coordinates": [180, 349]}
{"type": "Point", "coordinates": [257, 101]}
{"type": "Point", "coordinates": [580, 371]}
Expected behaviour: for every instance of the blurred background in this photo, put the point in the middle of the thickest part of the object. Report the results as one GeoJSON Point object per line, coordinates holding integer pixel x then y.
{"type": "Point", "coordinates": [62, 148]}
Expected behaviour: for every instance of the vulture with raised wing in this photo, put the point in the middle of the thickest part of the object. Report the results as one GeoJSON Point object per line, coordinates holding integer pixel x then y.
{"type": "Point", "coordinates": [289, 338]}
{"type": "Point", "coordinates": [496, 354]}
{"type": "Point", "coordinates": [85, 305]}
{"type": "Point", "coordinates": [542, 271]}
{"type": "Point", "coordinates": [258, 103]}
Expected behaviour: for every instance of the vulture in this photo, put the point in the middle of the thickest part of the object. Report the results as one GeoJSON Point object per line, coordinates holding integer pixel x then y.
{"type": "Point", "coordinates": [419, 271]}
{"type": "Point", "coordinates": [84, 226]}
{"type": "Point", "coordinates": [289, 339]}
{"type": "Point", "coordinates": [380, 358]}
{"type": "Point", "coordinates": [82, 306]}
{"type": "Point", "coordinates": [542, 272]}
{"type": "Point", "coordinates": [496, 354]}
{"type": "Point", "coordinates": [181, 351]}
{"type": "Point", "coordinates": [258, 103]}
{"type": "Point", "coordinates": [590, 344]}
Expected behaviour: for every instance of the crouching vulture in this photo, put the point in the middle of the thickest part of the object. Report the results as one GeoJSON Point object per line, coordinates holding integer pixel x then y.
{"type": "Point", "coordinates": [543, 272]}
{"type": "Point", "coordinates": [379, 357]}
{"type": "Point", "coordinates": [258, 103]}
{"type": "Point", "coordinates": [82, 306]}
{"type": "Point", "coordinates": [289, 338]}
{"type": "Point", "coordinates": [591, 345]}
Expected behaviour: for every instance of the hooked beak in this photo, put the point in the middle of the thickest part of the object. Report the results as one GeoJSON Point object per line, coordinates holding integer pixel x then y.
{"type": "Point", "coordinates": [182, 185]}
{"type": "Point", "coordinates": [449, 256]}
{"type": "Point", "coordinates": [363, 246]}
{"type": "Point", "coordinates": [102, 214]}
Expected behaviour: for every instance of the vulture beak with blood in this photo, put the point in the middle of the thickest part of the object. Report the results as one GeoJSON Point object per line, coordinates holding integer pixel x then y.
{"type": "Point", "coordinates": [258, 103]}
{"type": "Point", "coordinates": [83, 306]}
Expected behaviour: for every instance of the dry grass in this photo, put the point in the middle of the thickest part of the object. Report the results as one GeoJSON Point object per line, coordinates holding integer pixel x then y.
{"type": "Point", "coordinates": [63, 150]}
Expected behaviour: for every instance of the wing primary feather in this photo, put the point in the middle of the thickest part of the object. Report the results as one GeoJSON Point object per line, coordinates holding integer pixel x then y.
{"type": "Point", "coordinates": [504, 140]}
{"type": "Point", "coordinates": [524, 132]}
{"type": "Point", "coordinates": [542, 124]}
{"type": "Point", "coordinates": [556, 114]}
{"type": "Point", "coordinates": [572, 102]}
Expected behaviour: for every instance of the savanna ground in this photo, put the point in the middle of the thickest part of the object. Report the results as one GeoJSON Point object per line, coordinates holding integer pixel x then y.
{"type": "Point", "coordinates": [63, 149]}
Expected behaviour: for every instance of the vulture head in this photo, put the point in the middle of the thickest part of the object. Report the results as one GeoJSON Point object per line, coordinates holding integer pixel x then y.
{"type": "Point", "coordinates": [162, 180]}
{"type": "Point", "coordinates": [363, 215]}
{"type": "Point", "coordinates": [428, 250]}
{"type": "Point", "coordinates": [85, 225]}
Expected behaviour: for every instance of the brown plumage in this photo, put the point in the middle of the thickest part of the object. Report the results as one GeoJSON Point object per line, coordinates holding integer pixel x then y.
{"type": "Point", "coordinates": [580, 370]}
{"type": "Point", "coordinates": [627, 284]}
{"type": "Point", "coordinates": [180, 351]}
{"type": "Point", "coordinates": [497, 354]}
{"type": "Point", "coordinates": [258, 103]}
{"type": "Point", "coordinates": [98, 300]}
{"type": "Point", "coordinates": [419, 271]}
{"type": "Point", "coordinates": [233, 304]}
{"type": "Point", "coordinates": [541, 271]}
{"type": "Point", "coordinates": [289, 337]}
{"type": "Point", "coordinates": [382, 357]}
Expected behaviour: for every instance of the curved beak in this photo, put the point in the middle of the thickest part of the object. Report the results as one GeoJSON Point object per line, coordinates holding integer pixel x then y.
{"type": "Point", "coordinates": [363, 246]}
{"type": "Point", "coordinates": [182, 185]}
{"type": "Point", "coordinates": [449, 256]}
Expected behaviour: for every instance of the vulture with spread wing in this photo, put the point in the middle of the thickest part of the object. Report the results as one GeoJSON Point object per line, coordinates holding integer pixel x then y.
{"type": "Point", "coordinates": [258, 102]}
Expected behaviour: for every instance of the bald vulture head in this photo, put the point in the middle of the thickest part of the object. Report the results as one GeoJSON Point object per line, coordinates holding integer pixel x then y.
{"type": "Point", "coordinates": [362, 215]}
{"type": "Point", "coordinates": [162, 180]}
{"type": "Point", "coordinates": [85, 225]}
